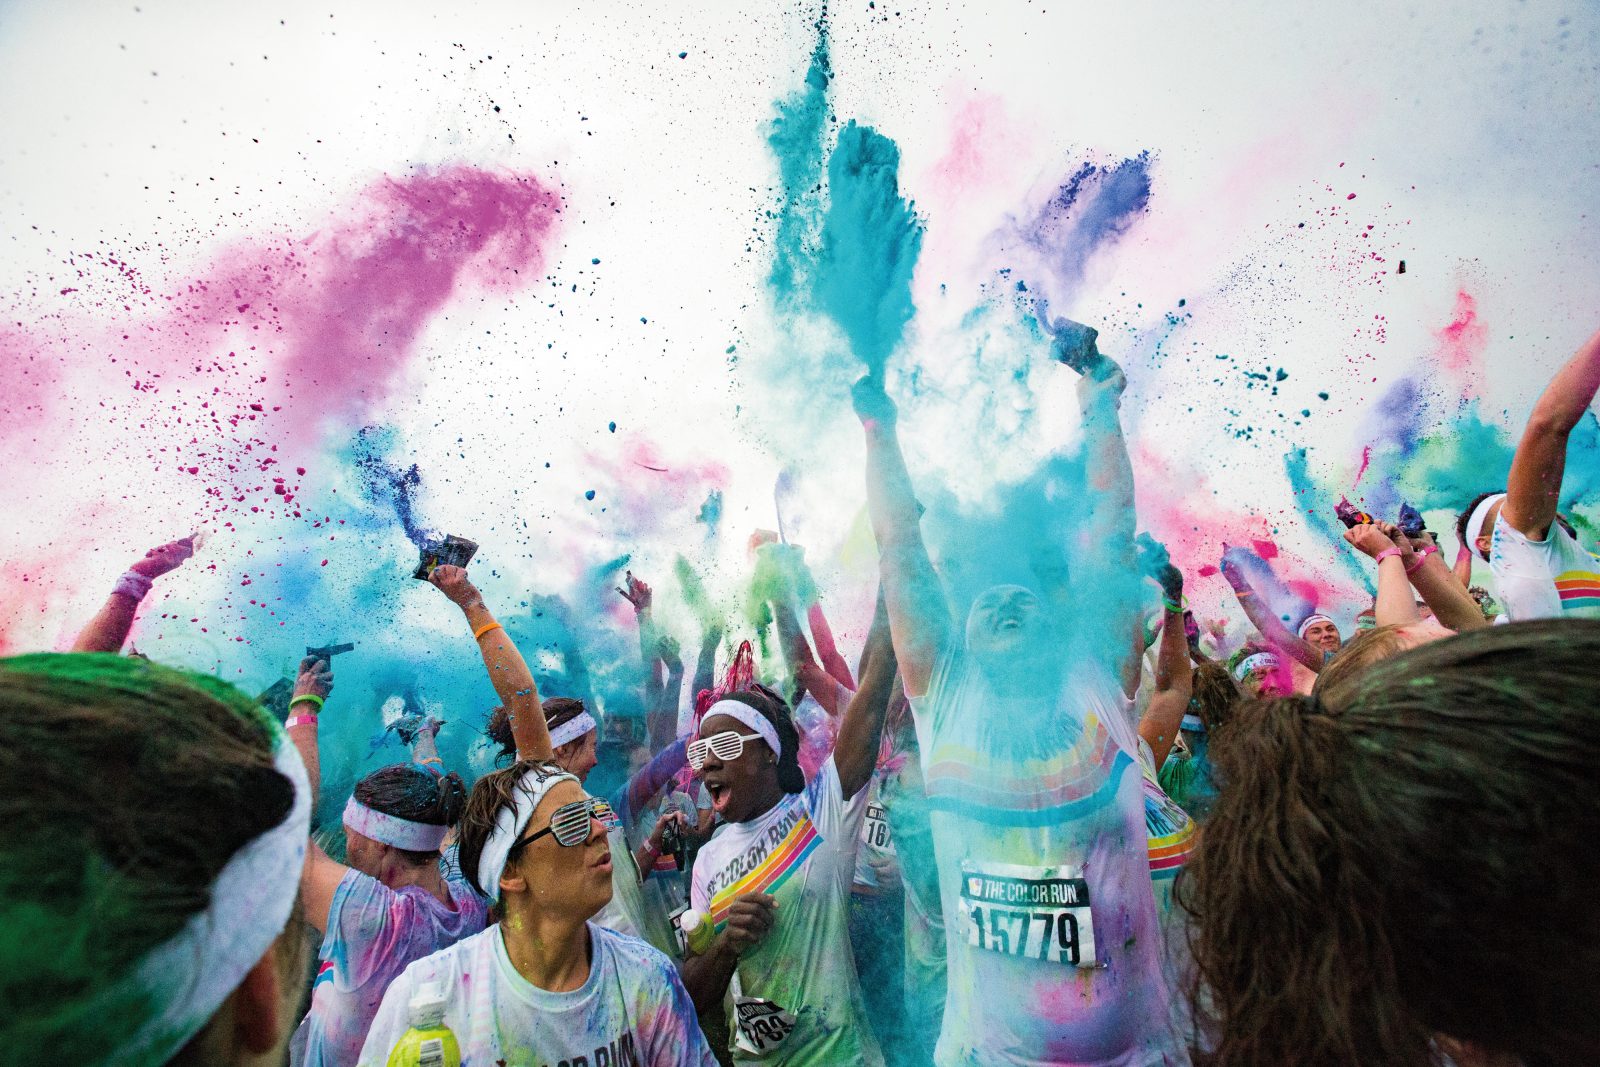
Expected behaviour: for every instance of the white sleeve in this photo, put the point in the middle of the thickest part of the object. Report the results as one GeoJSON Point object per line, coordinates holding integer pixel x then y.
{"type": "Point", "coordinates": [699, 874]}
{"type": "Point", "coordinates": [1524, 580]}
{"type": "Point", "coordinates": [390, 1024]}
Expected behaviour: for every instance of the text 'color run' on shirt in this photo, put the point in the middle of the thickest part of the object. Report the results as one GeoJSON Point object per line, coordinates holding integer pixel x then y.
{"type": "Point", "coordinates": [1045, 850]}
{"type": "Point", "coordinates": [795, 998]}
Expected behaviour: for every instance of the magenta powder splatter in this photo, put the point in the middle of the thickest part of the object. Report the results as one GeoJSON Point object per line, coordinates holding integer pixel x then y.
{"type": "Point", "coordinates": [213, 392]}
{"type": "Point", "coordinates": [283, 336]}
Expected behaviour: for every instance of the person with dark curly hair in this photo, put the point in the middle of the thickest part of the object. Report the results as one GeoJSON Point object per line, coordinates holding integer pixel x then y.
{"type": "Point", "coordinates": [1186, 775]}
{"type": "Point", "coordinates": [1402, 867]}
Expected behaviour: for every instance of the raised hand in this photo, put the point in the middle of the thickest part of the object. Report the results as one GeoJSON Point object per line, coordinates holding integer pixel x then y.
{"type": "Point", "coordinates": [1156, 563]}
{"type": "Point", "coordinates": [872, 404]}
{"type": "Point", "coordinates": [1369, 538]}
{"type": "Point", "coordinates": [454, 583]}
{"type": "Point", "coordinates": [1233, 562]}
{"type": "Point", "coordinates": [164, 558]}
{"type": "Point", "coordinates": [315, 678]}
{"type": "Point", "coordinates": [669, 652]}
{"type": "Point", "coordinates": [1102, 385]}
{"type": "Point", "coordinates": [636, 592]}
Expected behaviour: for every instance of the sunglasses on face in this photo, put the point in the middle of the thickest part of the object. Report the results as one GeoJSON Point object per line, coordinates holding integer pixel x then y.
{"type": "Point", "coordinates": [569, 824]}
{"type": "Point", "coordinates": [728, 745]}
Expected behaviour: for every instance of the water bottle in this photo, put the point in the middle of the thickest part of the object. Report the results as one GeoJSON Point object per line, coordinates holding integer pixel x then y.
{"type": "Point", "coordinates": [429, 1043]}
{"type": "Point", "coordinates": [697, 931]}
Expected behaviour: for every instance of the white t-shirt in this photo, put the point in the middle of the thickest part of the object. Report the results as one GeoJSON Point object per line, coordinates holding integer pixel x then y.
{"type": "Point", "coordinates": [802, 852]}
{"type": "Point", "coordinates": [632, 1010]}
{"type": "Point", "coordinates": [1038, 813]}
{"type": "Point", "coordinates": [1550, 579]}
{"type": "Point", "coordinates": [373, 934]}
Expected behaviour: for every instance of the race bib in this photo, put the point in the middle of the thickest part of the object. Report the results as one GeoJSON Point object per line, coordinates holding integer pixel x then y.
{"type": "Point", "coordinates": [1038, 913]}
{"type": "Point", "coordinates": [763, 1025]}
{"type": "Point", "coordinates": [875, 830]}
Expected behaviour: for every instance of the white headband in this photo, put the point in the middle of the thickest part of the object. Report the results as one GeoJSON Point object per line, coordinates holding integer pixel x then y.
{"type": "Point", "coordinates": [1310, 620]}
{"type": "Point", "coordinates": [1480, 515]}
{"type": "Point", "coordinates": [1250, 663]}
{"type": "Point", "coordinates": [196, 969]}
{"type": "Point", "coordinates": [1194, 723]}
{"type": "Point", "coordinates": [737, 709]}
{"type": "Point", "coordinates": [392, 830]}
{"type": "Point", "coordinates": [510, 821]}
{"type": "Point", "coordinates": [573, 729]}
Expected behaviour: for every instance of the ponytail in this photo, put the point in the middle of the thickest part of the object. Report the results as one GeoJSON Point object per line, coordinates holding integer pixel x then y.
{"type": "Point", "coordinates": [415, 794]}
{"type": "Point", "coordinates": [452, 799]}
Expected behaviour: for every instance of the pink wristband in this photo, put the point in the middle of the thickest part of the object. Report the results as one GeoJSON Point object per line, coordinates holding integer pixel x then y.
{"type": "Point", "coordinates": [1385, 554]}
{"type": "Point", "coordinates": [1416, 564]}
{"type": "Point", "coordinates": [300, 720]}
{"type": "Point", "coordinates": [1428, 550]}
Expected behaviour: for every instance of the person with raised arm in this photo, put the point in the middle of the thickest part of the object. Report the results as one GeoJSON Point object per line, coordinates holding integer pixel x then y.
{"type": "Point", "coordinates": [1170, 829]}
{"type": "Point", "coordinates": [1163, 715]}
{"type": "Point", "coordinates": [1034, 787]}
{"type": "Point", "coordinates": [1318, 639]}
{"type": "Point", "coordinates": [1396, 605]}
{"type": "Point", "coordinates": [811, 679]}
{"type": "Point", "coordinates": [663, 669]}
{"type": "Point", "coordinates": [570, 734]}
{"type": "Point", "coordinates": [545, 984]}
{"type": "Point", "coordinates": [1186, 776]}
{"type": "Point", "coordinates": [1540, 570]}
{"type": "Point", "coordinates": [396, 901]}
{"type": "Point", "coordinates": [108, 630]}
{"type": "Point", "coordinates": [774, 881]}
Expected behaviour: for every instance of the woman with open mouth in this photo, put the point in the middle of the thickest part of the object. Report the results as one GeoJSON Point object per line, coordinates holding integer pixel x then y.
{"type": "Point", "coordinates": [775, 880]}
{"type": "Point", "coordinates": [1035, 788]}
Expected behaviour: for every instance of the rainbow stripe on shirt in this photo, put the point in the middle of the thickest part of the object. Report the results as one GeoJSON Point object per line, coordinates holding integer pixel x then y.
{"type": "Point", "coordinates": [1578, 590]}
{"type": "Point", "coordinates": [769, 876]}
{"type": "Point", "coordinates": [1170, 830]}
{"type": "Point", "coordinates": [324, 973]}
{"type": "Point", "coordinates": [1046, 792]}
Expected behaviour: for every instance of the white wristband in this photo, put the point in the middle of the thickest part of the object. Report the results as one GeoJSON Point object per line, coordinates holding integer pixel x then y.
{"type": "Point", "coordinates": [132, 585]}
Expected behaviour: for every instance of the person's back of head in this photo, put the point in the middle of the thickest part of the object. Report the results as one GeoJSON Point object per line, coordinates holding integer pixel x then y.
{"type": "Point", "coordinates": [156, 828]}
{"type": "Point", "coordinates": [1408, 859]}
{"type": "Point", "coordinates": [558, 711]}
{"type": "Point", "coordinates": [1362, 652]}
{"type": "Point", "coordinates": [417, 808]}
{"type": "Point", "coordinates": [1214, 695]}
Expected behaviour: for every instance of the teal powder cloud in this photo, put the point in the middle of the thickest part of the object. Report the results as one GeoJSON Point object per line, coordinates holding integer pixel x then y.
{"type": "Point", "coordinates": [870, 241]}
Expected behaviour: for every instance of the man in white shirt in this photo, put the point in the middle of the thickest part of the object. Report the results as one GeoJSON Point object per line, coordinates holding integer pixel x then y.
{"type": "Point", "coordinates": [1540, 570]}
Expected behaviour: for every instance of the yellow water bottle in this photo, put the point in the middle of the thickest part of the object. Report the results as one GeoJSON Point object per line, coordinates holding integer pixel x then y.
{"type": "Point", "coordinates": [697, 931]}
{"type": "Point", "coordinates": [429, 1043]}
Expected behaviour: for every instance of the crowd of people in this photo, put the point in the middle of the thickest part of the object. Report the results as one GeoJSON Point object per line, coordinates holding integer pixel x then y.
{"type": "Point", "coordinates": [1074, 825]}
